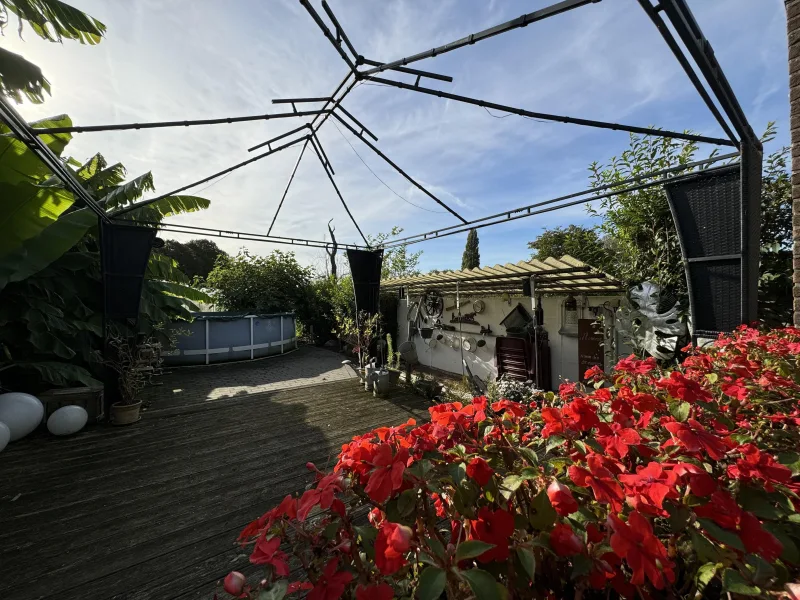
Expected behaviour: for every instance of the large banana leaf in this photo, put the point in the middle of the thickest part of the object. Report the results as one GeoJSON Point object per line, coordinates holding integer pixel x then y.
{"type": "Point", "coordinates": [53, 20]}
{"type": "Point", "coordinates": [165, 268]}
{"type": "Point", "coordinates": [40, 251]}
{"type": "Point", "coordinates": [109, 177]}
{"type": "Point", "coordinates": [166, 207]}
{"type": "Point", "coordinates": [28, 208]}
{"type": "Point", "coordinates": [58, 373]}
{"type": "Point", "coordinates": [19, 77]}
{"type": "Point", "coordinates": [180, 291]}
{"type": "Point", "coordinates": [128, 192]}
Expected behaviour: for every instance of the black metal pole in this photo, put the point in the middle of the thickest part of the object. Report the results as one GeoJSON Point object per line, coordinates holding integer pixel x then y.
{"type": "Point", "coordinates": [476, 224]}
{"type": "Point", "coordinates": [687, 67]}
{"type": "Point", "coordinates": [338, 193]}
{"type": "Point", "coordinates": [682, 19]}
{"type": "Point", "coordinates": [417, 72]}
{"type": "Point", "coordinates": [321, 151]}
{"type": "Point", "coordinates": [558, 118]}
{"type": "Point", "coordinates": [586, 192]}
{"type": "Point", "coordinates": [288, 183]}
{"type": "Point", "coordinates": [327, 33]}
{"type": "Point", "coordinates": [357, 122]}
{"type": "Point", "coordinates": [243, 235]}
{"type": "Point", "coordinates": [163, 124]}
{"type": "Point", "coordinates": [127, 209]}
{"type": "Point", "coordinates": [279, 137]}
{"type": "Point", "coordinates": [398, 169]}
{"type": "Point", "coordinates": [339, 29]}
{"type": "Point", "coordinates": [524, 20]}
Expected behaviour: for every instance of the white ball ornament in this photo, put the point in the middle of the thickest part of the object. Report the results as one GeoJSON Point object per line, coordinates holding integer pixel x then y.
{"type": "Point", "coordinates": [5, 435]}
{"type": "Point", "coordinates": [67, 420]}
{"type": "Point", "coordinates": [21, 413]}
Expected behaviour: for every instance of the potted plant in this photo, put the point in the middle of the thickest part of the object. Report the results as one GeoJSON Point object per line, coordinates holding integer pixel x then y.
{"type": "Point", "coordinates": [358, 333]}
{"type": "Point", "coordinates": [392, 361]}
{"type": "Point", "coordinates": [131, 380]}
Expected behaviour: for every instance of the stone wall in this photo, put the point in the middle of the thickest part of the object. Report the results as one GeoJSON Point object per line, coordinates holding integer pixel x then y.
{"type": "Point", "coordinates": [793, 29]}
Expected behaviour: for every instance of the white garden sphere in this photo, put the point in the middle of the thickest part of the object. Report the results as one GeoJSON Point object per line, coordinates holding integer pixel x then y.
{"type": "Point", "coordinates": [5, 435]}
{"type": "Point", "coordinates": [67, 420]}
{"type": "Point", "coordinates": [22, 413]}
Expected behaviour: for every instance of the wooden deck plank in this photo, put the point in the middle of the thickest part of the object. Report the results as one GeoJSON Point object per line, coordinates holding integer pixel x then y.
{"type": "Point", "coordinates": [125, 512]}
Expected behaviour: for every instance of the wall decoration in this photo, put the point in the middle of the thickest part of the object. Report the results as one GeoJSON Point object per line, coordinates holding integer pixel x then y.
{"type": "Point", "coordinates": [469, 344]}
{"type": "Point", "coordinates": [453, 306]}
{"type": "Point", "coordinates": [432, 305]}
{"type": "Point", "coordinates": [468, 318]}
{"type": "Point", "coordinates": [479, 306]}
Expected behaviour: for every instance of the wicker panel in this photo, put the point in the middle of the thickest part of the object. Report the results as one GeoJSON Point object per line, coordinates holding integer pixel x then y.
{"type": "Point", "coordinates": [716, 295]}
{"type": "Point", "coordinates": [707, 212]}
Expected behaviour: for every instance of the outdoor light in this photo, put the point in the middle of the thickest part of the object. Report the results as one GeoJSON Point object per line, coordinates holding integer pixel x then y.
{"type": "Point", "coordinates": [569, 317]}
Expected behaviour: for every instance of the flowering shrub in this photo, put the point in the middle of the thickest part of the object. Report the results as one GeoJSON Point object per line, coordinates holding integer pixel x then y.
{"type": "Point", "coordinates": [514, 390]}
{"type": "Point", "coordinates": [648, 484]}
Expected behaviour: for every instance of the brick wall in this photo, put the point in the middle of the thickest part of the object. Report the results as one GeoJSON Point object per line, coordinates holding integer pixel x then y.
{"type": "Point", "coordinates": [793, 28]}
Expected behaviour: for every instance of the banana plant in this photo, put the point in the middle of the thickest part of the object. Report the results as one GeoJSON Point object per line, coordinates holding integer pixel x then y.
{"type": "Point", "coordinates": [50, 280]}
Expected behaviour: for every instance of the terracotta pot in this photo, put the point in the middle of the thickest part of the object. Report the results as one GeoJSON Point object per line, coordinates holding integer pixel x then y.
{"type": "Point", "coordinates": [125, 414]}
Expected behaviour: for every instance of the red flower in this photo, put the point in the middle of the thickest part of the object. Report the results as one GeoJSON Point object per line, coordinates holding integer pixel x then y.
{"type": "Point", "coordinates": [332, 584]}
{"type": "Point", "coordinates": [561, 498]}
{"type": "Point", "coordinates": [298, 586]}
{"type": "Point", "coordinates": [380, 591]}
{"type": "Point", "coordinates": [601, 480]}
{"type": "Point", "coordinates": [582, 414]}
{"type": "Point", "coordinates": [631, 364]}
{"type": "Point", "coordinates": [392, 543]}
{"type": "Point", "coordinates": [323, 495]}
{"type": "Point", "coordinates": [645, 554]}
{"type": "Point", "coordinates": [493, 527]}
{"type": "Point", "coordinates": [647, 489]}
{"type": "Point", "coordinates": [234, 583]}
{"type": "Point", "coordinates": [735, 389]}
{"type": "Point", "coordinates": [758, 540]}
{"type": "Point", "coordinates": [694, 437]}
{"type": "Point", "coordinates": [616, 439]}
{"type": "Point", "coordinates": [479, 470]}
{"type": "Point", "coordinates": [564, 542]}
{"type": "Point", "coordinates": [594, 373]}
{"type": "Point", "coordinates": [593, 533]}
{"type": "Point", "coordinates": [512, 408]}
{"type": "Point", "coordinates": [700, 482]}
{"type": "Point", "coordinates": [683, 388]}
{"type": "Point", "coordinates": [388, 474]}
{"type": "Point", "coordinates": [554, 422]}
{"type": "Point", "coordinates": [267, 552]}
{"type": "Point", "coordinates": [722, 509]}
{"type": "Point", "coordinates": [757, 465]}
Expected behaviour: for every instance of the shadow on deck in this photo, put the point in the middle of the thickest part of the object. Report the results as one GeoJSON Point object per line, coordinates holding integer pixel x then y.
{"type": "Point", "coordinates": [153, 510]}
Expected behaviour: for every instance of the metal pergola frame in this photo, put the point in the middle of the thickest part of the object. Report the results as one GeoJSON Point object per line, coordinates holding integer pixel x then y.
{"type": "Point", "coordinates": [672, 18]}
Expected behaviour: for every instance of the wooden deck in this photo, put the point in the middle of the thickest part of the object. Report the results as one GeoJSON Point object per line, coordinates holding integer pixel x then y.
{"type": "Point", "coordinates": [153, 510]}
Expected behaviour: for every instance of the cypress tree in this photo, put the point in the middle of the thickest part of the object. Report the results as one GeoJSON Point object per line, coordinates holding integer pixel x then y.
{"type": "Point", "coordinates": [471, 258]}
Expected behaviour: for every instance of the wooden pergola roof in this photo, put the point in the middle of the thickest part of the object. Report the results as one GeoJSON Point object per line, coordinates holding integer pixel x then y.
{"type": "Point", "coordinates": [565, 275]}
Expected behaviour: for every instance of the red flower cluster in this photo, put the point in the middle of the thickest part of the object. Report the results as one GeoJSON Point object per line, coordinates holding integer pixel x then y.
{"type": "Point", "coordinates": [630, 484]}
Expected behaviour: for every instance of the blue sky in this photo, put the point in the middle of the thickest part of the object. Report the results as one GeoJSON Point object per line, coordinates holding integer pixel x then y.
{"type": "Point", "coordinates": [191, 59]}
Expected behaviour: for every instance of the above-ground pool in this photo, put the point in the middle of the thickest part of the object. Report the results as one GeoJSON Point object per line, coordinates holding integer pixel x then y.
{"type": "Point", "coordinates": [223, 336]}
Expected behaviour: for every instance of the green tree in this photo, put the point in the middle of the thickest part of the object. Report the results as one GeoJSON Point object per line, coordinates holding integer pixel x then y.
{"type": "Point", "coordinates": [397, 262]}
{"type": "Point", "coordinates": [269, 284]}
{"type": "Point", "coordinates": [582, 243]}
{"type": "Point", "coordinates": [471, 259]}
{"type": "Point", "coordinates": [51, 20]}
{"type": "Point", "coordinates": [196, 258]}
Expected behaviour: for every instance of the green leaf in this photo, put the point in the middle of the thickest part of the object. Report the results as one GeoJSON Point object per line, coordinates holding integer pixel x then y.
{"type": "Point", "coordinates": [510, 485]}
{"type": "Point", "coordinates": [60, 374]}
{"type": "Point", "coordinates": [21, 78]}
{"type": "Point", "coordinates": [542, 513]}
{"type": "Point", "coordinates": [790, 553]}
{"type": "Point", "coordinates": [680, 410]}
{"type": "Point", "coordinates": [581, 566]}
{"type": "Point", "coordinates": [179, 290]}
{"type": "Point", "coordinates": [552, 442]}
{"type": "Point", "coordinates": [791, 460]}
{"type": "Point", "coordinates": [529, 454]}
{"type": "Point", "coordinates": [366, 532]}
{"type": "Point", "coordinates": [435, 545]}
{"type": "Point", "coordinates": [761, 569]}
{"type": "Point", "coordinates": [457, 471]}
{"type": "Point", "coordinates": [712, 377]}
{"type": "Point", "coordinates": [53, 20]}
{"type": "Point", "coordinates": [528, 561]}
{"type": "Point", "coordinates": [406, 502]}
{"type": "Point", "coordinates": [431, 583]}
{"type": "Point", "coordinates": [471, 549]}
{"type": "Point", "coordinates": [728, 538]}
{"type": "Point", "coordinates": [733, 582]}
{"type": "Point", "coordinates": [128, 192]}
{"type": "Point", "coordinates": [704, 575]}
{"type": "Point", "coordinates": [166, 207]}
{"type": "Point", "coordinates": [580, 446]}
{"type": "Point", "coordinates": [758, 502]}
{"type": "Point", "coordinates": [482, 584]}
{"type": "Point", "coordinates": [276, 592]}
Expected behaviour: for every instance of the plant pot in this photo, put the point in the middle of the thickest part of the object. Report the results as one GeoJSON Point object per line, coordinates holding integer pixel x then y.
{"type": "Point", "coordinates": [394, 376]}
{"type": "Point", "coordinates": [125, 414]}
